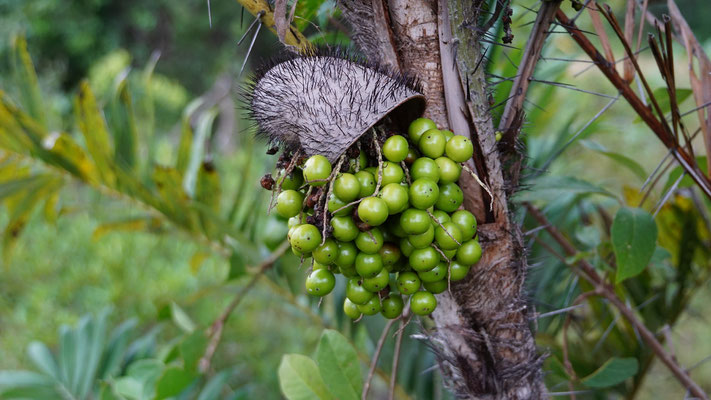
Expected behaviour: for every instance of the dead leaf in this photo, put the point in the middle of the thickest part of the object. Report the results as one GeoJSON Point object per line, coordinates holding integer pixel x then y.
{"type": "Point", "coordinates": [701, 81]}
{"type": "Point", "coordinates": [629, 33]}
{"type": "Point", "coordinates": [600, 30]}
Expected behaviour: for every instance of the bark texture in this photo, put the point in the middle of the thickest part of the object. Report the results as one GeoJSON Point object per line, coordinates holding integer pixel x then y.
{"type": "Point", "coordinates": [484, 339]}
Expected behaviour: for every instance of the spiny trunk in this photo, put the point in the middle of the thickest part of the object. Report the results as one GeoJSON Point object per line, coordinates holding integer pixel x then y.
{"type": "Point", "coordinates": [484, 340]}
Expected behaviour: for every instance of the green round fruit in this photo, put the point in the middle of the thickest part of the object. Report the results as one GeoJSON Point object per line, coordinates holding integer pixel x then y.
{"type": "Point", "coordinates": [448, 255]}
{"type": "Point", "coordinates": [395, 148]}
{"type": "Point", "coordinates": [289, 203]}
{"type": "Point", "coordinates": [424, 259]}
{"type": "Point", "coordinates": [317, 168]}
{"type": "Point", "coordinates": [367, 183]}
{"type": "Point", "coordinates": [466, 223]}
{"type": "Point", "coordinates": [447, 134]}
{"type": "Point", "coordinates": [405, 247]}
{"type": "Point", "coordinates": [351, 309]}
{"type": "Point", "coordinates": [336, 204]}
{"type": "Point", "coordinates": [437, 273]}
{"type": "Point", "coordinates": [459, 148]}
{"type": "Point", "coordinates": [414, 221]}
{"type": "Point", "coordinates": [408, 282]}
{"type": "Point", "coordinates": [358, 163]}
{"type": "Point", "coordinates": [469, 253]}
{"type": "Point", "coordinates": [423, 303]}
{"type": "Point", "coordinates": [393, 225]}
{"type": "Point", "coordinates": [371, 307]}
{"type": "Point", "coordinates": [320, 282]}
{"type": "Point", "coordinates": [293, 181]}
{"type": "Point", "coordinates": [423, 193]}
{"type": "Point", "coordinates": [440, 216]}
{"type": "Point", "coordinates": [346, 187]}
{"type": "Point", "coordinates": [327, 253]}
{"type": "Point", "coordinates": [305, 238]}
{"type": "Point", "coordinates": [396, 197]}
{"type": "Point", "coordinates": [425, 167]}
{"type": "Point", "coordinates": [448, 238]}
{"type": "Point", "coordinates": [431, 143]}
{"type": "Point", "coordinates": [356, 293]}
{"type": "Point", "coordinates": [458, 271]}
{"type": "Point", "coordinates": [316, 265]}
{"type": "Point", "coordinates": [392, 173]}
{"type": "Point", "coordinates": [370, 241]}
{"type": "Point", "coordinates": [392, 306]}
{"type": "Point", "coordinates": [418, 127]}
{"type": "Point", "coordinates": [346, 257]}
{"type": "Point", "coordinates": [378, 282]}
{"type": "Point", "coordinates": [373, 211]}
{"type": "Point", "coordinates": [449, 171]}
{"type": "Point", "coordinates": [423, 239]}
{"type": "Point", "coordinates": [390, 254]}
{"type": "Point", "coordinates": [436, 287]}
{"type": "Point", "coordinates": [344, 229]}
{"type": "Point", "coordinates": [412, 155]}
{"type": "Point", "coordinates": [450, 197]}
{"type": "Point", "coordinates": [368, 265]}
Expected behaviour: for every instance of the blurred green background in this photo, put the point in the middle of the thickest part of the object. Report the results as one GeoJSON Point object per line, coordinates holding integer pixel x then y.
{"type": "Point", "coordinates": [179, 70]}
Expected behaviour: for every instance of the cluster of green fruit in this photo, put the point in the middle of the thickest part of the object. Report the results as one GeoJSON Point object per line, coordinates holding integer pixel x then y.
{"type": "Point", "coordinates": [393, 227]}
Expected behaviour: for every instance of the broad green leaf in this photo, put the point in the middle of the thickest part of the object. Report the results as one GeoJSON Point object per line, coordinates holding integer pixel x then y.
{"type": "Point", "coordinates": [192, 349]}
{"type": "Point", "coordinates": [43, 359]}
{"type": "Point", "coordinates": [339, 365]}
{"type": "Point", "coordinates": [213, 388]}
{"type": "Point", "coordinates": [173, 381]}
{"type": "Point", "coordinates": [129, 388]}
{"type": "Point", "coordinates": [551, 187]}
{"type": "Point", "coordinates": [72, 157]}
{"type": "Point", "coordinates": [67, 356]}
{"type": "Point", "coordinates": [614, 371]}
{"type": "Point", "coordinates": [26, 78]}
{"type": "Point", "coordinates": [621, 159]}
{"type": "Point", "coordinates": [92, 125]}
{"type": "Point", "coordinates": [634, 237]}
{"type": "Point", "coordinates": [123, 127]}
{"type": "Point", "coordinates": [181, 318]}
{"type": "Point", "coordinates": [145, 373]}
{"type": "Point", "coordinates": [299, 379]}
{"type": "Point", "coordinates": [116, 348]}
{"type": "Point", "coordinates": [10, 379]}
{"type": "Point", "coordinates": [95, 336]}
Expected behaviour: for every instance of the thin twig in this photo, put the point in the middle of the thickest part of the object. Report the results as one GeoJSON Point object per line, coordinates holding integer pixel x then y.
{"type": "Point", "coordinates": [396, 360]}
{"type": "Point", "coordinates": [215, 331]}
{"type": "Point", "coordinates": [376, 355]}
{"type": "Point", "coordinates": [485, 187]}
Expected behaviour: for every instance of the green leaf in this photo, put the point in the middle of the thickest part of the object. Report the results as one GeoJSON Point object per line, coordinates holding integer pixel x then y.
{"type": "Point", "coordinates": [173, 381]}
{"type": "Point", "coordinates": [181, 318]}
{"type": "Point", "coordinates": [238, 267]}
{"type": "Point", "coordinates": [299, 378]}
{"type": "Point", "coordinates": [123, 127]}
{"type": "Point", "coordinates": [26, 78]}
{"type": "Point", "coordinates": [186, 140]}
{"type": "Point", "coordinates": [197, 150]}
{"type": "Point", "coordinates": [551, 187]}
{"type": "Point", "coordinates": [192, 349]}
{"type": "Point", "coordinates": [116, 348]}
{"type": "Point", "coordinates": [339, 365]}
{"type": "Point", "coordinates": [43, 359]}
{"type": "Point", "coordinates": [213, 388]}
{"type": "Point", "coordinates": [92, 125]}
{"type": "Point", "coordinates": [614, 371]}
{"type": "Point", "coordinates": [621, 159]}
{"type": "Point", "coordinates": [634, 237]}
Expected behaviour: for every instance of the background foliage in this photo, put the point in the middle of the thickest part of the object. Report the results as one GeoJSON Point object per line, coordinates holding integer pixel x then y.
{"type": "Point", "coordinates": [124, 185]}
